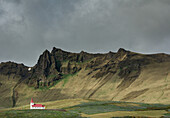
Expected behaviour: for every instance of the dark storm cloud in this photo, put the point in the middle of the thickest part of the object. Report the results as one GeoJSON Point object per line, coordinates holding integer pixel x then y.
{"type": "Point", "coordinates": [28, 27]}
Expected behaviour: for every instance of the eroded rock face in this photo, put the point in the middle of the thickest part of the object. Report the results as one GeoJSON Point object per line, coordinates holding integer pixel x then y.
{"type": "Point", "coordinates": [42, 72]}
{"type": "Point", "coordinates": [51, 66]}
{"type": "Point", "coordinates": [9, 68]}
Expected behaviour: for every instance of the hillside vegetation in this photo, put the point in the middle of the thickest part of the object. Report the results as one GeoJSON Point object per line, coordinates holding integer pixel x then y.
{"type": "Point", "coordinates": [121, 76]}
{"type": "Point", "coordinates": [78, 108]}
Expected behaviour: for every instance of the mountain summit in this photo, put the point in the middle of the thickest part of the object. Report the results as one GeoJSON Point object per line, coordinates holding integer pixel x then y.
{"type": "Point", "coordinates": [119, 76]}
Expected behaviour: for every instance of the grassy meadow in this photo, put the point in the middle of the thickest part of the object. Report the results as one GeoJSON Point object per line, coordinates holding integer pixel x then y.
{"type": "Point", "coordinates": [38, 114]}
{"type": "Point", "coordinates": [78, 108]}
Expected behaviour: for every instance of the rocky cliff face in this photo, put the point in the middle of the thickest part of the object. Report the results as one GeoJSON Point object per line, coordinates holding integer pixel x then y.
{"type": "Point", "coordinates": [122, 69]}
{"type": "Point", "coordinates": [52, 66]}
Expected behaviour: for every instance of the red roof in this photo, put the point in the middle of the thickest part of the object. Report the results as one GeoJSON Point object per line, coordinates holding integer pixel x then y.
{"type": "Point", "coordinates": [38, 105]}
{"type": "Point", "coordinates": [32, 100]}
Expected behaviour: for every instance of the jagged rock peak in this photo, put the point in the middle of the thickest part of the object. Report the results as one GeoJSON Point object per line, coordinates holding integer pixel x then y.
{"type": "Point", "coordinates": [54, 50]}
{"type": "Point", "coordinates": [83, 52]}
{"type": "Point", "coordinates": [110, 52]}
{"type": "Point", "coordinates": [121, 50]}
{"type": "Point", "coordinates": [45, 57]}
{"type": "Point", "coordinates": [46, 52]}
{"type": "Point", "coordinates": [122, 54]}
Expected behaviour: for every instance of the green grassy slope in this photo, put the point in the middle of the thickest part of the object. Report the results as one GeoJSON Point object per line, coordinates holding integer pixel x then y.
{"type": "Point", "coordinates": [89, 108]}
{"type": "Point", "coordinates": [6, 90]}
{"type": "Point", "coordinates": [152, 86]}
{"type": "Point", "coordinates": [38, 114]}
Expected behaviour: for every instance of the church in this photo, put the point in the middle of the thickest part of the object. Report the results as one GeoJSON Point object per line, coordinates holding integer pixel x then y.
{"type": "Point", "coordinates": [36, 106]}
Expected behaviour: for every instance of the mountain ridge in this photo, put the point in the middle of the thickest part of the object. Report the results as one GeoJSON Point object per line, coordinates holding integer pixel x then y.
{"type": "Point", "coordinates": [110, 76]}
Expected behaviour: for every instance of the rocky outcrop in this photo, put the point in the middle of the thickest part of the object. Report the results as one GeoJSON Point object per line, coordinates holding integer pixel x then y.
{"type": "Point", "coordinates": [56, 65]}
{"type": "Point", "coordinates": [51, 66]}
{"type": "Point", "coordinates": [9, 68]}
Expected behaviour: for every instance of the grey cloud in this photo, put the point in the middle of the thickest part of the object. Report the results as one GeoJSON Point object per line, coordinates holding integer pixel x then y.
{"type": "Point", "coordinates": [28, 27]}
{"type": "Point", "coordinates": [12, 1]}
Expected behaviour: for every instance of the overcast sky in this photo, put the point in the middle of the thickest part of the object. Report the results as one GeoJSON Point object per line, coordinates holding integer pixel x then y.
{"type": "Point", "coordinates": [28, 27]}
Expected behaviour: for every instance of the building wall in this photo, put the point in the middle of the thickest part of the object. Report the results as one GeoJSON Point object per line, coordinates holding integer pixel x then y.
{"type": "Point", "coordinates": [31, 105]}
{"type": "Point", "coordinates": [38, 107]}
{"type": "Point", "coordinates": [35, 107]}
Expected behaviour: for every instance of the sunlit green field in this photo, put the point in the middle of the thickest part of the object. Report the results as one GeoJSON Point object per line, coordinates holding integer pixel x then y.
{"type": "Point", "coordinates": [120, 109]}
{"type": "Point", "coordinates": [77, 108]}
{"type": "Point", "coordinates": [38, 114]}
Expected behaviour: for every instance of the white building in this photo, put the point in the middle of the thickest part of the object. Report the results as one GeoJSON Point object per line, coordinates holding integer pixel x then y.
{"type": "Point", "coordinates": [36, 106]}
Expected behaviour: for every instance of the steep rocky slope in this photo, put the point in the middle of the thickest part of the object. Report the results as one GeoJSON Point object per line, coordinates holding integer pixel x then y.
{"type": "Point", "coordinates": [120, 76]}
